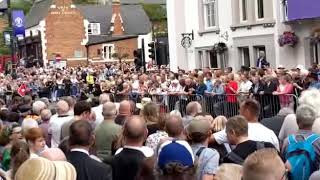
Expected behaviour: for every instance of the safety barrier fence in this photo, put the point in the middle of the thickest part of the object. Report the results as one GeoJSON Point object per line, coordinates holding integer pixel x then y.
{"type": "Point", "coordinates": [226, 105]}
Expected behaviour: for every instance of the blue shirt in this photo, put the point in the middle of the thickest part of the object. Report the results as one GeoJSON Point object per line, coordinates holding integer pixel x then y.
{"type": "Point", "coordinates": [208, 161]}
{"type": "Point", "coordinates": [209, 86]}
{"type": "Point", "coordinates": [219, 90]}
{"type": "Point", "coordinates": [315, 85]}
{"type": "Point", "coordinates": [201, 88]}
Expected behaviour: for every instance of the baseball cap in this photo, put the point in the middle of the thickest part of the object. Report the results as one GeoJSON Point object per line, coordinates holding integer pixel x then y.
{"type": "Point", "coordinates": [281, 66]}
{"type": "Point", "coordinates": [199, 126]}
{"type": "Point", "coordinates": [175, 151]}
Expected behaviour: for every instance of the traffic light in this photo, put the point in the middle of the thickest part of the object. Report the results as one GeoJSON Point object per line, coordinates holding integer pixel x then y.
{"type": "Point", "coordinates": [137, 58]}
{"type": "Point", "coordinates": [152, 53]}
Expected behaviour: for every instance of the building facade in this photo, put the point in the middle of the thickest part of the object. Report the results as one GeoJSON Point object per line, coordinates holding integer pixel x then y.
{"type": "Point", "coordinates": [244, 27]}
{"type": "Point", "coordinates": [81, 34]}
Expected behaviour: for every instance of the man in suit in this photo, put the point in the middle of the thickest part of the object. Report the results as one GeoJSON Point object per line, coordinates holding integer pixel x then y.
{"type": "Point", "coordinates": [127, 160]}
{"type": "Point", "coordinates": [80, 140]}
{"type": "Point", "coordinates": [262, 62]}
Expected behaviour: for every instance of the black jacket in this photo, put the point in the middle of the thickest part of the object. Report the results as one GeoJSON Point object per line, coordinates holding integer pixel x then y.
{"type": "Point", "coordinates": [274, 123]}
{"type": "Point", "coordinates": [126, 164]}
{"type": "Point", "coordinates": [88, 168]}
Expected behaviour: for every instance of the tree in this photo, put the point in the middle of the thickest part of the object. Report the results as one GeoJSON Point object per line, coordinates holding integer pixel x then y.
{"type": "Point", "coordinates": [156, 12]}
{"type": "Point", "coordinates": [158, 16]}
{"type": "Point", "coordinates": [15, 5]}
{"type": "Point", "coordinates": [120, 56]}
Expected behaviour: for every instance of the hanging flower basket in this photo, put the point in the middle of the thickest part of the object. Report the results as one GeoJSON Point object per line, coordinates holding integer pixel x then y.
{"type": "Point", "coordinates": [220, 48]}
{"type": "Point", "coordinates": [288, 38]}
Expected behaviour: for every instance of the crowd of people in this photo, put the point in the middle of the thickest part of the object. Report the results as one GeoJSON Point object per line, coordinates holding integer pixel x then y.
{"type": "Point", "coordinates": [86, 123]}
{"type": "Point", "coordinates": [226, 88]}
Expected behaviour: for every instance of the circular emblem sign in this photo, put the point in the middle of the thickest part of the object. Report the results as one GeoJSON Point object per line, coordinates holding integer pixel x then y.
{"type": "Point", "coordinates": [18, 22]}
{"type": "Point", "coordinates": [186, 42]}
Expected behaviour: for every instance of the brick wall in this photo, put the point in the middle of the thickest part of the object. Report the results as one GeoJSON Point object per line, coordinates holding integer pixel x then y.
{"type": "Point", "coordinates": [3, 24]}
{"type": "Point", "coordinates": [65, 31]}
{"type": "Point", "coordinates": [117, 21]}
{"type": "Point", "coordinates": [124, 46]}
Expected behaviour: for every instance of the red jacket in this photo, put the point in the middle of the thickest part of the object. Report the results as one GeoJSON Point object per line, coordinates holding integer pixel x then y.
{"type": "Point", "coordinates": [231, 89]}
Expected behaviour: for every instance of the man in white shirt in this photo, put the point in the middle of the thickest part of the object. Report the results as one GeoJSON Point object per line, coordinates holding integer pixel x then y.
{"type": "Point", "coordinates": [250, 109]}
{"type": "Point", "coordinates": [245, 84]}
{"type": "Point", "coordinates": [56, 122]}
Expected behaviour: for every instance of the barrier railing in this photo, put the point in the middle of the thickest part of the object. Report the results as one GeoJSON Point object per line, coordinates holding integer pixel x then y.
{"type": "Point", "coordinates": [226, 105]}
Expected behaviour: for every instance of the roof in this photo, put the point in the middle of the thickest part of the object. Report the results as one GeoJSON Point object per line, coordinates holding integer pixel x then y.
{"type": "Point", "coordinates": [100, 14]}
{"type": "Point", "coordinates": [135, 20]}
{"type": "Point", "coordinates": [3, 4]}
{"type": "Point", "coordinates": [104, 39]}
{"type": "Point", "coordinates": [143, 1]}
{"type": "Point", "coordinates": [38, 11]}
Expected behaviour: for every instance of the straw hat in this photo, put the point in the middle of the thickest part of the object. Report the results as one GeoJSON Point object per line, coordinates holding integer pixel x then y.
{"type": "Point", "coordinates": [144, 101]}
{"type": "Point", "coordinates": [43, 169]}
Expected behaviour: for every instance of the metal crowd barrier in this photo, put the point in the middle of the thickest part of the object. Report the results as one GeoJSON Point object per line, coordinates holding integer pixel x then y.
{"type": "Point", "coordinates": [226, 105]}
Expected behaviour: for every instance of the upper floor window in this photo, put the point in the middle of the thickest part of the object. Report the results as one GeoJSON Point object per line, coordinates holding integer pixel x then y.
{"type": "Point", "coordinates": [285, 10]}
{"type": "Point", "coordinates": [260, 9]}
{"type": "Point", "coordinates": [244, 10]}
{"type": "Point", "coordinates": [210, 7]}
{"type": "Point", "coordinates": [94, 29]}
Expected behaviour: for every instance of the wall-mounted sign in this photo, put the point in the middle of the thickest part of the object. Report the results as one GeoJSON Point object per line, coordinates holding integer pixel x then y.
{"type": "Point", "coordinates": [18, 22]}
{"type": "Point", "coordinates": [186, 42]}
{"type": "Point", "coordinates": [63, 10]}
{"type": "Point", "coordinates": [187, 39]}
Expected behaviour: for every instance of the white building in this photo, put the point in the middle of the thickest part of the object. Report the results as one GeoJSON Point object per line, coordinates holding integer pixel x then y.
{"type": "Point", "coordinates": [245, 26]}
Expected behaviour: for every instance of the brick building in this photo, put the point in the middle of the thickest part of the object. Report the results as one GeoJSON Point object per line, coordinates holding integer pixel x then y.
{"type": "Point", "coordinates": [83, 33]}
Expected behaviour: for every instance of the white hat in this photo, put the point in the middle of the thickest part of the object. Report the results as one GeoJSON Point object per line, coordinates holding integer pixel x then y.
{"type": "Point", "coordinates": [300, 67]}
{"type": "Point", "coordinates": [175, 81]}
{"type": "Point", "coordinates": [144, 101]}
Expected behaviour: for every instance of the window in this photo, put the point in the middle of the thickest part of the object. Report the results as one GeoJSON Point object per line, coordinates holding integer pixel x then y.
{"type": "Point", "coordinates": [245, 56]}
{"type": "Point", "coordinates": [201, 59]}
{"type": "Point", "coordinates": [210, 13]}
{"type": "Point", "coordinates": [107, 51]}
{"type": "Point", "coordinates": [78, 54]}
{"type": "Point", "coordinates": [316, 53]}
{"type": "Point", "coordinates": [244, 13]}
{"type": "Point", "coordinates": [213, 59]}
{"type": "Point", "coordinates": [258, 50]}
{"type": "Point", "coordinates": [94, 29]}
{"type": "Point", "coordinates": [260, 9]}
{"type": "Point", "coordinates": [285, 9]}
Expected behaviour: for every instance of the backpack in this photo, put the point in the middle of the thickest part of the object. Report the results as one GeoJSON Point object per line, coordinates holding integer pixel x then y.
{"type": "Point", "coordinates": [301, 156]}
{"type": "Point", "coordinates": [239, 160]}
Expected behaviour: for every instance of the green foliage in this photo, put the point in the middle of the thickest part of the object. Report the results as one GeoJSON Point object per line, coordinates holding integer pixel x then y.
{"type": "Point", "coordinates": [156, 12]}
{"type": "Point", "coordinates": [4, 50]}
{"type": "Point", "coordinates": [21, 5]}
{"type": "Point", "coordinates": [120, 56]}
{"type": "Point", "coordinates": [86, 1]}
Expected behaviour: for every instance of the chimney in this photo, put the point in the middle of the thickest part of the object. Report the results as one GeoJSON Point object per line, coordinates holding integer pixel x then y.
{"type": "Point", "coordinates": [117, 28]}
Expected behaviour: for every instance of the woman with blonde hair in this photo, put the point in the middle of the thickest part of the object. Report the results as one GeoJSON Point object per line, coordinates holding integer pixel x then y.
{"type": "Point", "coordinates": [219, 123]}
{"type": "Point", "coordinates": [229, 172]}
{"type": "Point", "coordinates": [150, 113]}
